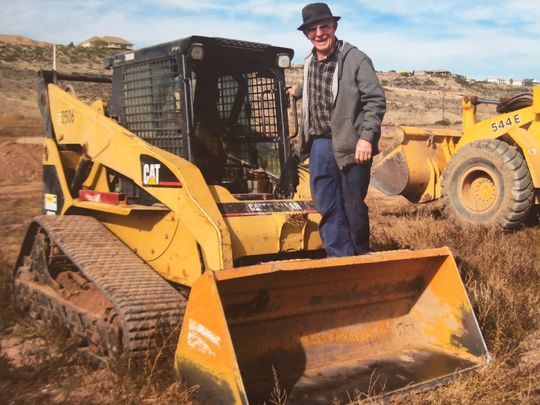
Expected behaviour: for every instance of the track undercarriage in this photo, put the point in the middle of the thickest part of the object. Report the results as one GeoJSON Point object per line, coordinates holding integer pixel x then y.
{"type": "Point", "coordinates": [75, 272]}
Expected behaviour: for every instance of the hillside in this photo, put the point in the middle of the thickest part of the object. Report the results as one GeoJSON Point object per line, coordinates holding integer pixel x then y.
{"type": "Point", "coordinates": [418, 100]}
{"type": "Point", "coordinates": [22, 40]}
{"type": "Point", "coordinates": [500, 270]}
{"type": "Point", "coordinates": [20, 60]}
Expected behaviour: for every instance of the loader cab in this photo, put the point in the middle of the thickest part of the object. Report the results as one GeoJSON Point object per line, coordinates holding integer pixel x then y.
{"type": "Point", "coordinates": [219, 103]}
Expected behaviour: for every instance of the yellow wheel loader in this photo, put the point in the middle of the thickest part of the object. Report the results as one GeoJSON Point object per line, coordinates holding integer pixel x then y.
{"type": "Point", "coordinates": [487, 174]}
{"type": "Point", "coordinates": [169, 209]}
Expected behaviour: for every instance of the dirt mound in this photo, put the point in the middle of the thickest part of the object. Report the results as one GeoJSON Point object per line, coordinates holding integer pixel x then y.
{"type": "Point", "coordinates": [20, 162]}
{"type": "Point", "coordinates": [14, 127]}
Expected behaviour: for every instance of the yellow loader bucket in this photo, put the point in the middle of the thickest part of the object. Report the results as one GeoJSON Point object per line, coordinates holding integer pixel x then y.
{"type": "Point", "coordinates": [324, 328]}
{"type": "Point", "coordinates": [413, 169]}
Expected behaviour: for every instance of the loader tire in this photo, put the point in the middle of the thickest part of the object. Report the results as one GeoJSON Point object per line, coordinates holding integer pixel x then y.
{"type": "Point", "coordinates": [487, 182]}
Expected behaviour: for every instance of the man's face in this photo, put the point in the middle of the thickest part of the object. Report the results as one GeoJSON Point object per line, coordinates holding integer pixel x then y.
{"type": "Point", "coordinates": [322, 35]}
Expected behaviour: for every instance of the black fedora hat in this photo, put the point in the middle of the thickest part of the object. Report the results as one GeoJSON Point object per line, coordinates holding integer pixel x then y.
{"type": "Point", "coordinates": [316, 12]}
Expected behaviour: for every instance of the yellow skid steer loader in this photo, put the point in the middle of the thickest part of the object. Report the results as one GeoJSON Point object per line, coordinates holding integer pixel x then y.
{"type": "Point", "coordinates": [168, 208]}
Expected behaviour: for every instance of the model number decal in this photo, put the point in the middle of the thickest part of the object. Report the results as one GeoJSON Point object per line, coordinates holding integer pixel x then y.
{"type": "Point", "coordinates": [266, 208]}
{"type": "Point", "coordinates": [66, 117]}
{"type": "Point", "coordinates": [504, 123]}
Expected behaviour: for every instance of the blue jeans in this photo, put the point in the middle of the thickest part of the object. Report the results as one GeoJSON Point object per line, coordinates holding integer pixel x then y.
{"type": "Point", "coordinates": [339, 197]}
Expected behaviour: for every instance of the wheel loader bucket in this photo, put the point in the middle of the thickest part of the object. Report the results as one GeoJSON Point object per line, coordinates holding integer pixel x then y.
{"type": "Point", "coordinates": [413, 169]}
{"type": "Point", "coordinates": [327, 328]}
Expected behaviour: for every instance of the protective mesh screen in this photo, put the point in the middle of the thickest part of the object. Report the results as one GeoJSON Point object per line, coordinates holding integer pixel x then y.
{"type": "Point", "coordinates": [151, 103]}
{"type": "Point", "coordinates": [249, 102]}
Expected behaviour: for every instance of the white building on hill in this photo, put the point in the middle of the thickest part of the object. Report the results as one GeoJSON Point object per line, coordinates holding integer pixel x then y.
{"type": "Point", "coordinates": [496, 80]}
{"type": "Point", "coordinates": [107, 42]}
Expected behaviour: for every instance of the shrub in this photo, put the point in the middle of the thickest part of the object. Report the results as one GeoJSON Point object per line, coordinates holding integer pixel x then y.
{"type": "Point", "coordinates": [444, 121]}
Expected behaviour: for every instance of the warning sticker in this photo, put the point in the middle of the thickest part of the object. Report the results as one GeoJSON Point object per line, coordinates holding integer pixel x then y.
{"type": "Point", "coordinates": [51, 202]}
{"type": "Point", "coordinates": [202, 339]}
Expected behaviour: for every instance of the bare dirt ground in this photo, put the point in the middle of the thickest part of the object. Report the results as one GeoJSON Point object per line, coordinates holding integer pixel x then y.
{"type": "Point", "coordinates": [500, 271]}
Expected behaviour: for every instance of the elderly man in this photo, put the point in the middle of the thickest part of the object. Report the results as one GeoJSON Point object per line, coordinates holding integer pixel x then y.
{"type": "Point", "coordinates": [343, 107]}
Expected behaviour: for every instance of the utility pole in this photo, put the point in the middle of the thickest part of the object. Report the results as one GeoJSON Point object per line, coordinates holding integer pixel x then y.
{"type": "Point", "coordinates": [443, 106]}
{"type": "Point", "coordinates": [54, 57]}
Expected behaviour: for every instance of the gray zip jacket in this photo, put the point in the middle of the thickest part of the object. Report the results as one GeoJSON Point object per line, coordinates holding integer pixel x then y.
{"type": "Point", "coordinates": [359, 106]}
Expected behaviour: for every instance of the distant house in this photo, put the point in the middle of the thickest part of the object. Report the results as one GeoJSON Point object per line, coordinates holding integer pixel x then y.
{"type": "Point", "coordinates": [436, 72]}
{"type": "Point", "coordinates": [496, 80]}
{"type": "Point", "coordinates": [441, 73]}
{"type": "Point", "coordinates": [107, 42]}
{"type": "Point", "coordinates": [530, 82]}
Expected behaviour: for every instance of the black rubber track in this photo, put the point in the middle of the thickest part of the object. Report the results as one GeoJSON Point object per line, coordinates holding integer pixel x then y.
{"type": "Point", "coordinates": [142, 299]}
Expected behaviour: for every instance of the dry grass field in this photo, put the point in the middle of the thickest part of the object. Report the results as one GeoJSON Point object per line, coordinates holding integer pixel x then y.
{"type": "Point", "coordinates": [500, 271]}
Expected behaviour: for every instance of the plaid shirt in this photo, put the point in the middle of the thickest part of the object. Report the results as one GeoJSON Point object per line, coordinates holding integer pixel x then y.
{"type": "Point", "coordinates": [321, 100]}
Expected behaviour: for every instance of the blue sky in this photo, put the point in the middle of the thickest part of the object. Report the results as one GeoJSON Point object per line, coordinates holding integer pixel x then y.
{"type": "Point", "coordinates": [479, 39]}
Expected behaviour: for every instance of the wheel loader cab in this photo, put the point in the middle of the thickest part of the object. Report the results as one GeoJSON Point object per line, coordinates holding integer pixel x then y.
{"type": "Point", "coordinates": [217, 103]}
